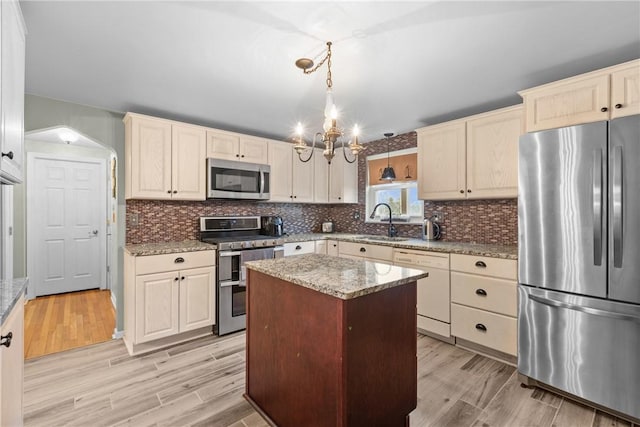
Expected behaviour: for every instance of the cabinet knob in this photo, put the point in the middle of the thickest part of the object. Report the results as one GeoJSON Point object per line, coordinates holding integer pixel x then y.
{"type": "Point", "coordinates": [179, 260]}
{"type": "Point", "coordinates": [176, 279]}
{"type": "Point", "coordinates": [295, 197]}
{"type": "Point", "coordinates": [363, 250]}
{"type": "Point", "coordinates": [481, 292]}
{"type": "Point", "coordinates": [182, 278]}
{"type": "Point", "coordinates": [242, 155]}
{"type": "Point", "coordinates": [481, 327]}
{"type": "Point", "coordinates": [175, 191]}
{"type": "Point", "coordinates": [168, 191]}
{"type": "Point", "coordinates": [10, 156]}
{"type": "Point", "coordinates": [481, 264]}
{"type": "Point", "coordinates": [469, 191]}
{"type": "Point", "coordinates": [461, 191]}
{"type": "Point", "coordinates": [618, 106]}
{"type": "Point", "coordinates": [604, 109]}
{"type": "Point", "coordinates": [237, 155]}
{"type": "Point", "coordinates": [339, 198]}
{"type": "Point", "coordinates": [5, 340]}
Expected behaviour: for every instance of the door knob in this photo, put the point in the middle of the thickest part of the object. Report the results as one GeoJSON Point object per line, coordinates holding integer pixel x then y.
{"type": "Point", "coordinates": [93, 233]}
{"type": "Point", "coordinates": [9, 155]}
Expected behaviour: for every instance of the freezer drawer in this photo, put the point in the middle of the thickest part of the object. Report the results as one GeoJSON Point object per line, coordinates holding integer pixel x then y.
{"type": "Point", "coordinates": [584, 346]}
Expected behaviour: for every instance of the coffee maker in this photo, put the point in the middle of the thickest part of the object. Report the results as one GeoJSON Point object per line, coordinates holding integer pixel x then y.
{"type": "Point", "coordinates": [271, 226]}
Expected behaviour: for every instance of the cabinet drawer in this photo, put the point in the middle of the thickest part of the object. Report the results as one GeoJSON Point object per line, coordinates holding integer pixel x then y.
{"type": "Point", "coordinates": [299, 248]}
{"type": "Point", "coordinates": [178, 261]}
{"type": "Point", "coordinates": [486, 266]}
{"type": "Point", "coordinates": [486, 293]}
{"type": "Point", "coordinates": [484, 328]}
{"type": "Point", "coordinates": [373, 252]}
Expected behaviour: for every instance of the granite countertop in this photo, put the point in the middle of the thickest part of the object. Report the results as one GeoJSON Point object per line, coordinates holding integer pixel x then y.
{"type": "Point", "coordinates": [143, 249]}
{"type": "Point", "coordinates": [339, 277]}
{"type": "Point", "coordinates": [494, 251]}
{"type": "Point", "coordinates": [10, 292]}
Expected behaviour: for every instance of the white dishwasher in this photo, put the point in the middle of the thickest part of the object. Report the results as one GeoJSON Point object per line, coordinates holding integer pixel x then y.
{"type": "Point", "coordinates": [434, 295]}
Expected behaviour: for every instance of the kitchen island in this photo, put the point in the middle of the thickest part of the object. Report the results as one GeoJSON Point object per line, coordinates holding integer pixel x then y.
{"type": "Point", "coordinates": [331, 341]}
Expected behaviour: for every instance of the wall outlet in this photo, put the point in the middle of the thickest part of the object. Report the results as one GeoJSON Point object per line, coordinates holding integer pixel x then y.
{"type": "Point", "coordinates": [438, 216]}
{"type": "Point", "coordinates": [134, 221]}
{"type": "Point", "coordinates": [356, 215]}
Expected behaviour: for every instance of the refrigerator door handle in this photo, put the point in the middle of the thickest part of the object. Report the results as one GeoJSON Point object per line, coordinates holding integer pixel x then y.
{"type": "Point", "coordinates": [583, 309]}
{"type": "Point", "coordinates": [597, 207]}
{"type": "Point", "coordinates": [617, 206]}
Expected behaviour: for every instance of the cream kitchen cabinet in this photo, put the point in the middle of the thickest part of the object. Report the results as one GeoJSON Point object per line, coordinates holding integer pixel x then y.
{"type": "Point", "coordinates": [343, 180]}
{"type": "Point", "coordinates": [320, 177]}
{"type": "Point", "coordinates": [233, 146]}
{"type": "Point", "coordinates": [484, 302]}
{"type": "Point", "coordinates": [291, 179]}
{"type": "Point", "coordinates": [471, 158]}
{"type": "Point", "coordinates": [299, 248]}
{"type": "Point", "coordinates": [168, 299]}
{"type": "Point", "coordinates": [12, 367]}
{"type": "Point", "coordinates": [321, 247]}
{"type": "Point", "coordinates": [599, 95]}
{"type": "Point", "coordinates": [332, 248]}
{"type": "Point", "coordinates": [366, 251]}
{"type": "Point", "coordinates": [165, 160]}
{"type": "Point", "coordinates": [12, 64]}
{"type": "Point", "coordinates": [433, 303]}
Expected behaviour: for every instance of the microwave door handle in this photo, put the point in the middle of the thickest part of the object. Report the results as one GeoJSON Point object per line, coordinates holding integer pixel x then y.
{"type": "Point", "coordinates": [261, 182]}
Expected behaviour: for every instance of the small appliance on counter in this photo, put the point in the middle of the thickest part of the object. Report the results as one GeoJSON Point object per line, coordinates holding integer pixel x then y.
{"type": "Point", "coordinates": [271, 226]}
{"type": "Point", "coordinates": [430, 229]}
{"type": "Point", "coordinates": [328, 227]}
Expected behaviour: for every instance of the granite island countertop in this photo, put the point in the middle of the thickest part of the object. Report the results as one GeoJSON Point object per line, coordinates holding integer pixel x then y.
{"type": "Point", "coordinates": [10, 292]}
{"type": "Point", "coordinates": [143, 249]}
{"type": "Point", "coordinates": [339, 277]}
{"type": "Point", "coordinates": [477, 249]}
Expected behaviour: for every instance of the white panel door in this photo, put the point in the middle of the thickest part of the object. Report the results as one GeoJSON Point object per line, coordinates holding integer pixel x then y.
{"type": "Point", "coordinates": [66, 224]}
{"type": "Point", "coordinates": [197, 298]}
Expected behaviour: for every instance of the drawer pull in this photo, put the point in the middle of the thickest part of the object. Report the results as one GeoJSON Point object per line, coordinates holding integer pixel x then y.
{"type": "Point", "coordinates": [5, 340]}
{"type": "Point", "coordinates": [481, 264]}
{"type": "Point", "coordinates": [481, 327]}
{"type": "Point", "coordinates": [481, 292]}
{"type": "Point", "coordinates": [176, 279]}
{"type": "Point", "coordinates": [363, 250]}
{"type": "Point", "coordinates": [179, 260]}
{"type": "Point", "coordinates": [298, 247]}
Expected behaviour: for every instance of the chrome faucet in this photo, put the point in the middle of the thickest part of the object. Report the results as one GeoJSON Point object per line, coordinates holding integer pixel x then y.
{"type": "Point", "coordinates": [392, 229]}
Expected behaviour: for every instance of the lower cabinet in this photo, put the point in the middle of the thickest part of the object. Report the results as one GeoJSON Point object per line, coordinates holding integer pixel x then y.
{"type": "Point", "coordinates": [332, 247]}
{"type": "Point", "coordinates": [299, 248]}
{"type": "Point", "coordinates": [12, 367]}
{"type": "Point", "coordinates": [321, 247]}
{"type": "Point", "coordinates": [366, 251]}
{"type": "Point", "coordinates": [484, 302]}
{"type": "Point", "coordinates": [168, 299]}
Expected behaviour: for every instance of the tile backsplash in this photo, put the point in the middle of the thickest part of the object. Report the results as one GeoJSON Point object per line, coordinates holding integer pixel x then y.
{"type": "Point", "coordinates": [477, 221]}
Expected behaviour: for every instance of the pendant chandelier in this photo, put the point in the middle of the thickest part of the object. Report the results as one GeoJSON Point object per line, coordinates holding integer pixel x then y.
{"type": "Point", "coordinates": [332, 134]}
{"type": "Point", "coordinates": [388, 174]}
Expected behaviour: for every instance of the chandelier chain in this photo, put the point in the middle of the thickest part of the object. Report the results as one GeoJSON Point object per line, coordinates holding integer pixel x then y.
{"type": "Point", "coordinates": [326, 59]}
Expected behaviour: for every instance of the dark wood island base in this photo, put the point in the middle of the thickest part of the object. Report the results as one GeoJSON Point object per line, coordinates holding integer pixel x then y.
{"type": "Point", "coordinates": [318, 360]}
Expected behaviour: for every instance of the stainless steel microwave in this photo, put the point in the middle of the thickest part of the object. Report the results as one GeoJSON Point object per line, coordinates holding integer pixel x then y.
{"type": "Point", "coordinates": [228, 179]}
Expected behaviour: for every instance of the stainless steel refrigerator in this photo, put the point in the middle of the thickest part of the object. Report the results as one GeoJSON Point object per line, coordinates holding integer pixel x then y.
{"type": "Point", "coordinates": [579, 261]}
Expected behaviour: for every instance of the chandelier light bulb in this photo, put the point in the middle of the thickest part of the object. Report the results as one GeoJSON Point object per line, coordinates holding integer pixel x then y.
{"type": "Point", "coordinates": [356, 131]}
{"type": "Point", "coordinates": [299, 129]}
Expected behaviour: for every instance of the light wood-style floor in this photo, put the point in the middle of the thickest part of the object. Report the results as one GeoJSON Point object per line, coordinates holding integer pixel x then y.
{"type": "Point", "coordinates": [201, 384]}
{"type": "Point", "coordinates": [60, 322]}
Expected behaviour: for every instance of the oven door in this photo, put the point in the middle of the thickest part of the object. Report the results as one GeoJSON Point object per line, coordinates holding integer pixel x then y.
{"type": "Point", "coordinates": [237, 180]}
{"type": "Point", "coordinates": [232, 286]}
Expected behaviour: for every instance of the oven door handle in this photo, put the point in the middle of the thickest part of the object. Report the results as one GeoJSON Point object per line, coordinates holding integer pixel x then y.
{"type": "Point", "coordinates": [228, 283]}
{"type": "Point", "coordinates": [243, 276]}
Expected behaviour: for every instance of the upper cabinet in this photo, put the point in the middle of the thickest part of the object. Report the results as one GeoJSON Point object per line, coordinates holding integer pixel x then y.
{"type": "Point", "coordinates": [232, 146]}
{"type": "Point", "coordinates": [471, 158]}
{"type": "Point", "coordinates": [291, 179]}
{"type": "Point", "coordinates": [164, 160]}
{"type": "Point", "coordinates": [12, 57]}
{"type": "Point", "coordinates": [343, 179]}
{"type": "Point", "coordinates": [599, 95]}
{"type": "Point", "coordinates": [321, 177]}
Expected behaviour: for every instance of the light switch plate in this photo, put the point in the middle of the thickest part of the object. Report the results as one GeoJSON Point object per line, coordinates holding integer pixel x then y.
{"type": "Point", "coordinates": [134, 221]}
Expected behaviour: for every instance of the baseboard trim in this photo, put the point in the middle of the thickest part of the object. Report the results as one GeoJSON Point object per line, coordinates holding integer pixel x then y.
{"type": "Point", "coordinates": [117, 335]}
{"type": "Point", "coordinates": [488, 352]}
{"type": "Point", "coordinates": [113, 300]}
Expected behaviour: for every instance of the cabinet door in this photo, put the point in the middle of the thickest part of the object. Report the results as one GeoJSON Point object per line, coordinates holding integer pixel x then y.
{"type": "Point", "coordinates": [302, 185]}
{"type": "Point", "coordinates": [156, 310]}
{"type": "Point", "coordinates": [321, 177]}
{"type": "Point", "coordinates": [321, 247]}
{"type": "Point", "coordinates": [492, 154]}
{"type": "Point", "coordinates": [197, 298]}
{"type": "Point", "coordinates": [568, 102]}
{"type": "Point", "coordinates": [625, 90]}
{"type": "Point", "coordinates": [281, 157]}
{"type": "Point", "coordinates": [222, 145]}
{"type": "Point", "coordinates": [12, 38]}
{"type": "Point", "coordinates": [149, 142]}
{"type": "Point", "coordinates": [254, 150]}
{"type": "Point", "coordinates": [188, 176]}
{"type": "Point", "coordinates": [332, 247]}
{"type": "Point", "coordinates": [343, 180]}
{"type": "Point", "coordinates": [12, 367]}
{"type": "Point", "coordinates": [441, 162]}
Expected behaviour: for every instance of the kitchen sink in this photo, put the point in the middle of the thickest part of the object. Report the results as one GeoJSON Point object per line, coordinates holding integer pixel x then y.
{"type": "Point", "coordinates": [384, 238]}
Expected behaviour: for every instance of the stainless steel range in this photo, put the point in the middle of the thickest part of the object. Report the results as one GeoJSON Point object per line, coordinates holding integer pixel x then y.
{"type": "Point", "coordinates": [237, 240]}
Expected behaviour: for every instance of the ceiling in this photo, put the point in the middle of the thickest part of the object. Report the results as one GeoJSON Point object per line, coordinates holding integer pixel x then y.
{"type": "Point", "coordinates": [396, 66]}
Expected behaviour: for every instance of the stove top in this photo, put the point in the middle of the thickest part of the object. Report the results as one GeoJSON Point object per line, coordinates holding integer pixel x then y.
{"type": "Point", "coordinates": [243, 242]}
{"type": "Point", "coordinates": [235, 233]}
